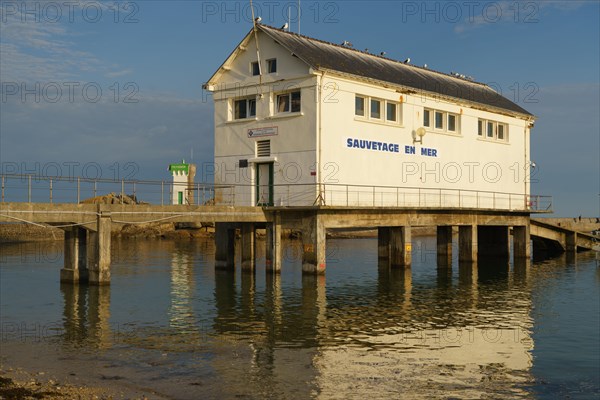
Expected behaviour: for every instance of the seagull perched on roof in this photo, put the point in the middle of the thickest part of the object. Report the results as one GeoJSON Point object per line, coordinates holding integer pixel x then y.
{"type": "Point", "coordinates": [383, 53]}
{"type": "Point", "coordinates": [258, 19]}
{"type": "Point", "coordinates": [285, 26]}
{"type": "Point", "coordinates": [347, 43]}
{"type": "Point", "coordinates": [407, 61]}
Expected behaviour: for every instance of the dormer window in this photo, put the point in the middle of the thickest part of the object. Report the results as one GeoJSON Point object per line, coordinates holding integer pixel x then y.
{"type": "Point", "coordinates": [255, 68]}
{"type": "Point", "coordinates": [272, 66]}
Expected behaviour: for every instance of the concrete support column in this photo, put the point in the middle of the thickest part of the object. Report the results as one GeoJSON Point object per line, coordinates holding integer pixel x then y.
{"type": "Point", "coordinates": [248, 247]}
{"type": "Point", "coordinates": [75, 262]}
{"type": "Point", "coordinates": [383, 243]}
{"type": "Point", "coordinates": [99, 270]}
{"type": "Point", "coordinates": [314, 245]}
{"type": "Point", "coordinates": [493, 241]}
{"type": "Point", "coordinates": [521, 242]}
{"type": "Point", "coordinates": [467, 243]}
{"type": "Point", "coordinates": [274, 245]}
{"type": "Point", "coordinates": [571, 242]}
{"type": "Point", "coordinates": [444, 246]}
{"type": "Point", "coordinates": [400, 246]}
{"type": "Point", "coordinates": [224, 246]}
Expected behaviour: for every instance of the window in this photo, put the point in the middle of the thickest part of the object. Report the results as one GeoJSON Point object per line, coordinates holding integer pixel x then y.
{"type": "Point", "coordinates": [451, 123]}
{"type": "Point", "coordinates": [375, 109]}
{"type": "Point", "coordinates": [359, 106]}
{"type": "Point", "coordinates": [493, 130]}
{"type": "Point", "coordinates": [500, 132]}
{"type": "Point", "coordinates": [439, 120]}
{"type": "Point", "coordinates": [490, 129]}
{"type": "Point", "coordinates": [255, 68]}
{"type": "Point", "coordinates": [289, 102]}
{"type": "Point", "coordinates": [391, 113]}
{"type": "Point", "coordinates": [442, 120]}
{"type": "Point", "coordinates": [272, 66]}
{"type": "Point", "coordinates": [244, 108]}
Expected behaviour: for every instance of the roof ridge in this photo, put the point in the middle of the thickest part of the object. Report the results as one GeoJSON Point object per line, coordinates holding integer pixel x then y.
{"type": "Point", "coordinates": [375, 55]}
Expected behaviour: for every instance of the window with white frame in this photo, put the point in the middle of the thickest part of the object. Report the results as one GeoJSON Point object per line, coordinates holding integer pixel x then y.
{"type": "Point", "coordinates": [441, 121]}
{"type": "Point", "coordinates": [271, 66]}
{"type": "Point", "coordinates": [377, 109]}
{"type": "Point", "coordinates": [288, 102]}
{"type": "Point", "coordinates": [492, 130]}
{"type": "Point", "coordinates": [391, 111]}
{"type": "Point", "coordinates": [359, 106]}
{"type": "Point", "coordinates": [244, 108]}
{"type": "Point", "coordinates": [255, 68]}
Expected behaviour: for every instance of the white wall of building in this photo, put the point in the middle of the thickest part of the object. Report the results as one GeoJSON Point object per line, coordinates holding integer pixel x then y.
{"type": "Point", "coordinates": [458, 169]}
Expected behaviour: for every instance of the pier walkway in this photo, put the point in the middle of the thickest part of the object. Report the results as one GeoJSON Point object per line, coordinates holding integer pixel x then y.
{"type": "Point", "coordinates": [484, 229]}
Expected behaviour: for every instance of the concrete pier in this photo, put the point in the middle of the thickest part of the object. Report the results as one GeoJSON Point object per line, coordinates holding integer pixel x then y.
{"type": "Point", "coordinates": [224, 246]}
{"type": "Point", "coordinates": [467, 243]}
{"type": "Point", "coordinates": [273, 245]}
{"type": "Point", "coordinates": [444, 245]}
{"type": "Point", "coordinates": [521, 242]}
{"type": "Point", "coordinates": [313, 244]}
{"type": "Point", "coordinates": [99, 269]}
{"type": "Point", "coordinates": [75, 260]}
{"type": "Point", "coordinates": [394, 244]}
{"type": "Point", "coordinates": [248, 242]}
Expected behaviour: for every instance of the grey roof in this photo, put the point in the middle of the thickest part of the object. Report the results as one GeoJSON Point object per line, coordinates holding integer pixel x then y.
{"type": "Point", "coordinates": [324, 55]}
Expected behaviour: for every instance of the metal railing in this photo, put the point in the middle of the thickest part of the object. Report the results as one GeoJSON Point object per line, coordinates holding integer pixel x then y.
{"type": "Point", "coordinates": [33, 188]}
{"type": "Point", "coordinates": [59, 189]}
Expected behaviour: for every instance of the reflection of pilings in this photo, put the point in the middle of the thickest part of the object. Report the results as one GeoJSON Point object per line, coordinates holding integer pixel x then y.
{"type": "Point", "coordinates": [273, 300]}
{"type": "Point", "coordinates": [248, 293]}
{"type": "Point", "coordinates": [314, 304]}
{"type": "Point", "coordinates": [395, 283]}
{"type": "Point", "coordinates": [521, 271]}
{"type": "Point", "coordinates": [99, 315]}
{"type": "Point", "coordinates": [468, 278]}
{"type": "Point", "coordinates": [86, 314]}
{"type": "Point", "coordinates": [225, 300]}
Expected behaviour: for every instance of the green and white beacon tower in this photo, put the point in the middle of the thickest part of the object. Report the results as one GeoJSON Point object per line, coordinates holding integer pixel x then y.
{"type": "Point", "coordinates": [183, 182]}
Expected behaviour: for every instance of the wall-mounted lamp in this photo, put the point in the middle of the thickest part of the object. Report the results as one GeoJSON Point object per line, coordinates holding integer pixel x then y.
{"type": "Point", "coordinates": [419, 133]}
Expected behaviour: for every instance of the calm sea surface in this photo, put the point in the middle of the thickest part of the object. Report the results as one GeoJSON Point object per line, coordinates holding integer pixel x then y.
{"type": "Point", "coordinates": [172, 326]}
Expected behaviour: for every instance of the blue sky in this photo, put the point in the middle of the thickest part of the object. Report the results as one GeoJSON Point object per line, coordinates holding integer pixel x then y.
{"type": "Point", "coordinates": [150, 59]}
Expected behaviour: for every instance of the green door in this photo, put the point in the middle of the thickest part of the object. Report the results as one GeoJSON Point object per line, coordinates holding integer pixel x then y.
{"type": "Point", "coordinates": [179, 197]}
{"type": "Point", "coordinates": [264, 184]}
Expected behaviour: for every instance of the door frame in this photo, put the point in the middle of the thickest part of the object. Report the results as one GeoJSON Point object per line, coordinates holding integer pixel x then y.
{"type": "Point", "coordinates": [271, 194]}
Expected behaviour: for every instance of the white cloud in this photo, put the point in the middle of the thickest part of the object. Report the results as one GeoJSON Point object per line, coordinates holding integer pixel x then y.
{"type": "Point", "coordinates": [479, 15]}
{"type": "Point", "coordinates": [116, 74]}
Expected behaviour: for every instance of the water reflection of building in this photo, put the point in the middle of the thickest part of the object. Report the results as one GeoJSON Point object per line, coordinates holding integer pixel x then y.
{"type": "Point", "coordinates": [466, 337]}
